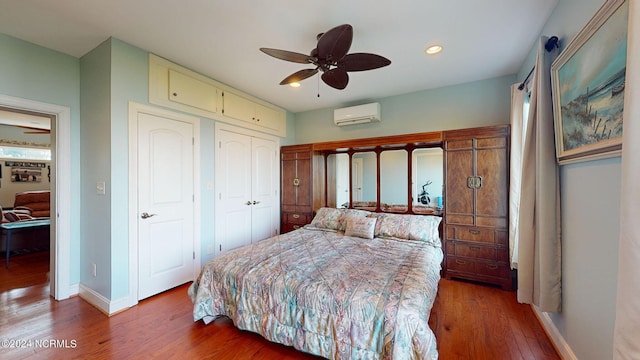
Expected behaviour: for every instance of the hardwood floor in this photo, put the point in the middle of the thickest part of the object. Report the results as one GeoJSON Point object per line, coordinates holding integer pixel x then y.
{"type": "Point", "coordinates": [470, 322]}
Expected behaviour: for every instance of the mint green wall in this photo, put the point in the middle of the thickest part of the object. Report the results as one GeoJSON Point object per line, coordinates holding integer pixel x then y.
{"type": "Point", "coordinates": [479, 103]}
{"type": "Point", "coordinates": [95, 69]}
{"type": "Point", "coordinates": [129, 82]}
{"type": "Point", "coordinates": [32, 72]}
{"type": "Point", "coordinates": [590, 200]}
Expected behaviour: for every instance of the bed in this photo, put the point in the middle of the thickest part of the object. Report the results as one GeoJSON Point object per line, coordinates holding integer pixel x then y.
{"type": "Point", "coordinates": [351, 285]}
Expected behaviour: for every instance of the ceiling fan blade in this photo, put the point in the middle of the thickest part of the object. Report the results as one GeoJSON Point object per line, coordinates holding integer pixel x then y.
{"type": "Point", "coordinates": [298, 76]}
{"type": "Point", "coordinates": [335, 43]}
{"type": "Point", "coordinates": [336, 78]}
{"type": "Point", "coordinates": [362, 62]}
{"type": "Point", "coordinates": [288, 55]}
{"type": "Point", "coordinates": [35, 130]}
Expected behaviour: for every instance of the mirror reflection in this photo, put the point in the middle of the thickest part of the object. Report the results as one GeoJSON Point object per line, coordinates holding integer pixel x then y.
{"type": "Point", "coordinates": [394, 189]}
{"type": "Point", "coordinates": [427, 180]}
{"type": "Point", "coordinates": [364, 180]}
{"type": "Point", "coordinates": [338, 180]}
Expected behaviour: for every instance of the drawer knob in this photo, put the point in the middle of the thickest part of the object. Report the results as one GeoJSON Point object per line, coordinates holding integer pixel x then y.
{"type": "Point", "coordinates": [474, 232]}
{"type": "Point", "coordinates": [296, 227]}
{"type": "Point", "coordinates": [461, 262]}
{"type": "Point", "coordinates": [296, 216]}
{"type": "Point", "coordinates": [492, 266]}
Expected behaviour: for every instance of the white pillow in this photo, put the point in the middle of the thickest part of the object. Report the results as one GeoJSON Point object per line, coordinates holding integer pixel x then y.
{"type": "Point", "coordinates": [360, 226]}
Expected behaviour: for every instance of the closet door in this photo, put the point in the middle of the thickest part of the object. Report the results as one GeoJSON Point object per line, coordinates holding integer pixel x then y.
{"type": "Point", "coordinates": [233, 220]}
{"type": "Point", "coordinates": [264, 186]}
{"type": "Point", "coordinates": [247, 206]}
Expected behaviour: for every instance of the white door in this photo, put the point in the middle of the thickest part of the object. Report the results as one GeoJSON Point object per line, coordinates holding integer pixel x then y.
{"type": "Point", "coordinates": [165, 204]}
{"type": "Point", "coordinates": [264, 185]}
{"type": "Point", "coordinates": [233, 189]}
{"type": "Point", "coordinates": [247, 183]}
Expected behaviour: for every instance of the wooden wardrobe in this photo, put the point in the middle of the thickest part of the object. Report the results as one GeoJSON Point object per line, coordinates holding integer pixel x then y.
{"type": "Point", "coordinates": [476, 237]}
{"type": "Point", "coordinates": [302, 185]}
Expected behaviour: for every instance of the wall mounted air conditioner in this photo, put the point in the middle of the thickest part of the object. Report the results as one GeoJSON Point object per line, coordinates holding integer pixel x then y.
{"type": "Point", "coordinates": [359, 114]}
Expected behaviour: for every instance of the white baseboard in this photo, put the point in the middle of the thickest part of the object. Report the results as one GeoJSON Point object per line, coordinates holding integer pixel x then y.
{"type": "Point", "coordinates": [108, 307]}
{"type": "Point", "coordinates": [563, 349]}
{"type": "Point", "coordinates": [74, 289]}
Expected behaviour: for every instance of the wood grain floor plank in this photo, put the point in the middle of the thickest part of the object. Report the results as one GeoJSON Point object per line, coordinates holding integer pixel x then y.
{"type": "Point", "coordinates": [470, 321]}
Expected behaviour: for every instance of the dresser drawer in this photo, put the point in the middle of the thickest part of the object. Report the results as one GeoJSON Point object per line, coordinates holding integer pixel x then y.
{"type": "Point", "coordinates": [297, 218]}
{"type": "Point", "coordinates": [469, 233]}
{"type": "Point", "coordinates": [285, 227]}
{"type": "Point", "coordinates": [493, 269]}
{"type": "Point", "coordinates": [477, 251]}
{"type": "Point", "coordinates": [478, 268]}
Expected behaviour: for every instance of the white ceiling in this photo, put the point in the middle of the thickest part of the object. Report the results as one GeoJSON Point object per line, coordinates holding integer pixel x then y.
{"type": "Point", "coordinates": [221, 38]}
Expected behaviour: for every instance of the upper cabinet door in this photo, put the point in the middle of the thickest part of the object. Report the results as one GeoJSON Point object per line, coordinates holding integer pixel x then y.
{"type": "Point", "coordinates": [459, 166]}
{"type": "Point", "coordinates": [238, 107]}
{"type": "Point", "coordinates": [186, 90]}
{"type": "Point", "coordinates": [492, 168]}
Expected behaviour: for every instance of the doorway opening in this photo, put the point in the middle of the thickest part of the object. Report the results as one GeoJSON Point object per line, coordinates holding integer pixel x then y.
{"type": "Point", "coordinates": [60, 188]}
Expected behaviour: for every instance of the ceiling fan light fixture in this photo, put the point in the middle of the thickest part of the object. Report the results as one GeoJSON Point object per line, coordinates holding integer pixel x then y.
{"type": "Point", "coordinates": [295, 84]}
{"type": "Point", "coordinates": [433, 49]}
{"type": "Point", "coordinates": [331, 58]}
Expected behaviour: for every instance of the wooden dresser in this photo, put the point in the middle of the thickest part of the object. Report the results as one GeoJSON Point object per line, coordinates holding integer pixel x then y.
{"type": "Point", "coordinates": [301, 191]}
{"type": "Point", "coordinates": [476, 240]}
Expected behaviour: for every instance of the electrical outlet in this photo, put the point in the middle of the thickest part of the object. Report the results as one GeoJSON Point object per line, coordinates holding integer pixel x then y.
{"type": "Point", "coordinates": [94, 269]}
{"type": "Point", "coordinates": [100, 188]}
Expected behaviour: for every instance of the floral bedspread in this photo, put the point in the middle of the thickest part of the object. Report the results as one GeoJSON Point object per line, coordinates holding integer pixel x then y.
{"type": "Point", "coordinates": [327, 294]}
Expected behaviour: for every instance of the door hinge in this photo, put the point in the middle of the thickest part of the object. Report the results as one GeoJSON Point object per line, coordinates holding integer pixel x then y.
{"type": "Point", "coordinates": [219, 144]}
{"type": "Point", "coordinates": [194, 255]}
{"type": "Point", "coordinates": [220, 247]}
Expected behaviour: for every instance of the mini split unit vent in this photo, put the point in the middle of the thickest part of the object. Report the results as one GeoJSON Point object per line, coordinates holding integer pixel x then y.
{"type": "Point", "coordinates": [357, 114]}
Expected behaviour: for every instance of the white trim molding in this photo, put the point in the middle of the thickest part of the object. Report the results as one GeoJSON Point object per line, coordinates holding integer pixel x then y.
{"type": "Point", "coordinates": [562, 347]}
{"type": "Point", "coordinates": [60, 268]}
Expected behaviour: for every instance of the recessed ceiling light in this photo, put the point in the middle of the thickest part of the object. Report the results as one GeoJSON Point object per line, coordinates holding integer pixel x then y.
{"type": "Point", "coordinates": [295, 84]}
{"type": "Point", "coordinates": [433, 49]}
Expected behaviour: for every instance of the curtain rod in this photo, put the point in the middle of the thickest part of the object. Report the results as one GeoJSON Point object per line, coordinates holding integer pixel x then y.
{"type": "Point", "coordinates": [549, 46]}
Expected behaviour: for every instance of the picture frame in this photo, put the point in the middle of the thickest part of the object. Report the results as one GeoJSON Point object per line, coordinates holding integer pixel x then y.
{"type": "Point", "coordinates": [588, 80]}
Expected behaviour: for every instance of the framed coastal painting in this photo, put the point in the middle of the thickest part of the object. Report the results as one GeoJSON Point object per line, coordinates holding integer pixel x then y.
{"type": "Point", "coordinates": [588, 80]}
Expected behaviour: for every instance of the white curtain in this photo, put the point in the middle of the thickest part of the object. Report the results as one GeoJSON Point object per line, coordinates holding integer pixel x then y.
{"type": "Point", "coordinates": [538, 218]}
{"type": "Point", "coordinates": [518, 97]}
{"type": "Point", "coordinates": [626, 338]}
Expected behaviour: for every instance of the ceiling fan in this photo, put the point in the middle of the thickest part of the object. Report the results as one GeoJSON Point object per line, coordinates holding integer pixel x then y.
{"type": "Point", "coordinates": [331, 58]}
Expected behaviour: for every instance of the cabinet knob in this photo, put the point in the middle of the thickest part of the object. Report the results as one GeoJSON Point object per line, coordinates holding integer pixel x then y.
{"type": "Point", "coordinates": [175, 94]}
{"type": "Point", "coordinates": [296, 182]}
{"type": "Point", "coordinates": [248, 203]}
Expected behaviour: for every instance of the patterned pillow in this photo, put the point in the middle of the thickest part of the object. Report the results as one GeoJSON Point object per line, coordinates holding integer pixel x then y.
{"type": "Point", "coordinates": [360, 226]}
{"type": "Point", "coordinates": [410, 227]}
{"type": "Point", "coordinates": [334, 219]}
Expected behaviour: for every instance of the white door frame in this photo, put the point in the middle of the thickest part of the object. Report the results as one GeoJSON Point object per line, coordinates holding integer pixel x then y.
{"type": "Point", "coordinates": [134, 110]}
{"type": "Point", "coordinates": [60, 266]}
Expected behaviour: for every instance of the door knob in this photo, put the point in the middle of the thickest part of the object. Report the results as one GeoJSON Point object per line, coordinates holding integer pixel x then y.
{"type": "Point", "coordinates": [146, 215]}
